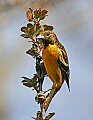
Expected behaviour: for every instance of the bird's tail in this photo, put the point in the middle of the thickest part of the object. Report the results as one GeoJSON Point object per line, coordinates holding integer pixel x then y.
{"type": "Point", "coordinates": [51, 95]}
{"type": "Point", "coordinates": [67, 81]}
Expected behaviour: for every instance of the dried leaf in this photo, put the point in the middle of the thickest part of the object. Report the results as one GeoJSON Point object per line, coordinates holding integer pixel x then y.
{"type": "Point", "coordinates": [50, 115]}
{"type": "Point", "coordinates": [31, 52]}
{"type": "Point", "coordinates": [43, 70]}
{"type": "Point", "coordinates": [39, 116]}
{"type": "Point", "coordinates": [43, 14]}
{"type": "Point", "coordinates": [33, 118]}
{"type": "Point", "coordinates": [29, 15]}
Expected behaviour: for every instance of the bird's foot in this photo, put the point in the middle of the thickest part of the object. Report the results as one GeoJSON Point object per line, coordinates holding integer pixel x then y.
{"type": "Point", "coordinates": [40, 97]}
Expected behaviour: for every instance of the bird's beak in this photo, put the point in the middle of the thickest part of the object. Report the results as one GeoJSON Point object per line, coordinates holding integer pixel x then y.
{"type": "Point", "coordinates": [40, 36]}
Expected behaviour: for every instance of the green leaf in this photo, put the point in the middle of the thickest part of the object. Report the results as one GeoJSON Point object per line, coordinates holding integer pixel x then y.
{"type": "Point", "coordinates": [37, 13]}
{"type": "Point", "coordinates": [30, 28]}
{"type": "Point", "coordinates": [30, 82]}
{"type": "Point", "coordinates": [37, 32]}
{"type": "Point", "coordinates": [24, 29]}
{"type": "Point", "coordinates": [25, 36]}
{"type": "Point", "coordinates": [31, 31]}
{"type": "Point", "coordinates": [46, 27]}
{"type": "Point", "coordinates": [29, 25]}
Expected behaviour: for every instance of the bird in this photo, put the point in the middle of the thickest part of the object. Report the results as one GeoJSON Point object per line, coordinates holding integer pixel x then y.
{"type": "Point", "coordinates": [55, 61]}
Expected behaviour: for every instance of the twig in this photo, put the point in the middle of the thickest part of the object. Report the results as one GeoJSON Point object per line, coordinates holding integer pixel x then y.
{"type": "Point", "coordinates": [38, 69]}
{"type": "Point", "coordinates": [31, 31]}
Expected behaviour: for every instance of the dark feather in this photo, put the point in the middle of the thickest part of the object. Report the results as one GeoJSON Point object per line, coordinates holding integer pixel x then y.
{"type": "Point", "coordinates": [65, 72]}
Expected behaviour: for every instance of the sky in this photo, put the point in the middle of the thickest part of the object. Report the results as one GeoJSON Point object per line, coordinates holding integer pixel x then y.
{"type": "Point", "coordinates": [73, 25]}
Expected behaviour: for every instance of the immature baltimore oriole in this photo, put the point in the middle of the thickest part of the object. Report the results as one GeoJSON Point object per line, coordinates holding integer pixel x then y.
{"type": "Point", "coordinates": [55, 61]}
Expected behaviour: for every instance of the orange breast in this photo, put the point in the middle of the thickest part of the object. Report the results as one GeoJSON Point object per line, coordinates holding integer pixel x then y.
{"type": "Point", "coordinates": [50, 57]}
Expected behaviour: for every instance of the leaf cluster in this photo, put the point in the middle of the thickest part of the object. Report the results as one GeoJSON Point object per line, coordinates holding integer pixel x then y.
{"type": "Point", "coordinates": [35, 15]}
{"type": "Point", "coordinates": [33, 82]}
{"type": "Point", "coordinates": [39, 116]}
{"type": "Point", "coordinates": [30, 32]}
{"type": "Point", "coordinates": [34, 28]}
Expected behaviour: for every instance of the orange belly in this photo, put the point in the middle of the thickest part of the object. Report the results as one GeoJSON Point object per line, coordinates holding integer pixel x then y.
{"type": "Point", "coordinates": [50, 57]}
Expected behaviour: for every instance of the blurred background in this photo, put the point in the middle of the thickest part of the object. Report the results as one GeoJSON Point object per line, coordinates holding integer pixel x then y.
{"type": "Point", "coordinates": [73, 24]}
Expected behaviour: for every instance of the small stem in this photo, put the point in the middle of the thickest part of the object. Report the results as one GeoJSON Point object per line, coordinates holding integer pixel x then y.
{"type": "Point", "coordinates": [42, 111]}
{"type": "Point", "coordinates": [38, 69]}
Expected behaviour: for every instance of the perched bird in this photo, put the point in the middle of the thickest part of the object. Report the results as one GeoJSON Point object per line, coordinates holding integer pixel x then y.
{"type": "Point", "coordinates": [55, 61]}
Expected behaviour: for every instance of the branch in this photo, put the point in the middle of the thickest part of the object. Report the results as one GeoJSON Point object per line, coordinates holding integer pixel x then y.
{"type": "Point", "coordinates": [31, 31]}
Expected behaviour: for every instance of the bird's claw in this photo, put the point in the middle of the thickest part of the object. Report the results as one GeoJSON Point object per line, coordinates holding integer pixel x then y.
{"type": "Point", "coordinates": [40, 97]}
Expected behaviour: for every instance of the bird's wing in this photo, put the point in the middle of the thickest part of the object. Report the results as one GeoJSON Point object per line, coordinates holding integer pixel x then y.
{"type": "Point", "coordinates": [63, 64]}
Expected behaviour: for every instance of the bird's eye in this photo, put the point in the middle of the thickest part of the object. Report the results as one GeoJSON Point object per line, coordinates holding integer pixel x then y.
{"type": "Point", "coordinates": [47, 34]}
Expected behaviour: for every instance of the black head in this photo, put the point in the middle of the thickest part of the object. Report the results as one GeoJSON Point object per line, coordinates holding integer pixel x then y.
{"type": "Point", "coordinates": [47, 37]}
